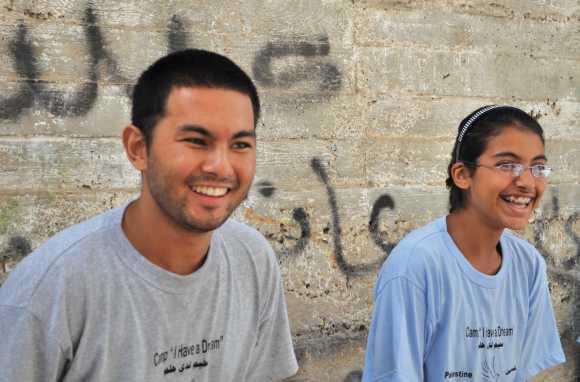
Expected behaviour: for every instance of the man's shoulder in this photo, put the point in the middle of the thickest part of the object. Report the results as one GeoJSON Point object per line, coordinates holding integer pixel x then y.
{"type": "Point", "coordinates": [241, 233]}
{"type": "Point", "coordinates": [58, 254]}
{"type": "Point", "coordinates": [246, 246]}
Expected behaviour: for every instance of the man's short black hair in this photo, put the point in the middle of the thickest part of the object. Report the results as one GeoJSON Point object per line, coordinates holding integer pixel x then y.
{"type": "Point", "coordinates": [186, 68]}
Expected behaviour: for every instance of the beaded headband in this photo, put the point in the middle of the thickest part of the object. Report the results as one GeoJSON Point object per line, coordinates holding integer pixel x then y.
{"type": "Point", "coordinates": [469, 122]}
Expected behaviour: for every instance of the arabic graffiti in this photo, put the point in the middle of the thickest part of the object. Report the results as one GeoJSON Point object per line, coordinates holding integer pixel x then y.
{"type": "Point", "coordinates": [35, 92]}
{"type": "Point", "coordinates": [18, 247]}
{"type": "Point", "coordinates": [267, 190]}
{"type": "Point", "coordinates": [354, 376]}
{"type": "Point", "coordinates": [542, 225]}
{"type": "Point", "coordinates": [347, 269]}
{"type": "Point", "coordinates": [316, 48]}
{"type": "Point", "coordinates": [177, 37]}
{"type": "Point", "coordinates": [32, 89]}
{"type": "Point", "coordinates": [385, 201]}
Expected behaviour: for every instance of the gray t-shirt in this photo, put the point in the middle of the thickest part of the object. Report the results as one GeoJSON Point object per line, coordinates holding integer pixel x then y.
{"type": "Point", "coordinates": [86, 306]}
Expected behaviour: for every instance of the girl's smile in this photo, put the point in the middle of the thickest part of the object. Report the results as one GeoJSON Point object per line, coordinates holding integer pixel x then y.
{"type": "Point", "coordinates": [499, 198]}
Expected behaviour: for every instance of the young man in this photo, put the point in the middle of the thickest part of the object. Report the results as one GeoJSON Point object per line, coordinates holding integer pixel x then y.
{"type": "Point", "coordinates": [165, 288]}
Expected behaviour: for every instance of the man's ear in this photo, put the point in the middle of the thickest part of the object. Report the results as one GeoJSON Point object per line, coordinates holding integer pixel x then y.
{"type": "Point", "coordinates": [461, 175]}
{"type": "Point", "coordinates": [135, 147]}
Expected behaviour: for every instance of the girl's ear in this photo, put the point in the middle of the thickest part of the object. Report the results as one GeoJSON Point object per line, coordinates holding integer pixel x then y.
{"type": "Point", "coordinates": [461, 175]}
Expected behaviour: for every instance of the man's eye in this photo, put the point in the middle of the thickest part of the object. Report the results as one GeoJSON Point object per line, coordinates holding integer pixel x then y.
{"type": "Point", "coordinates": [196, 141]}
{"type": "Point", "coordinates": [241, 145]}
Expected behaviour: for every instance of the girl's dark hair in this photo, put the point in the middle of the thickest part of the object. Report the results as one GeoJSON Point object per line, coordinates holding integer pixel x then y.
{"type": "Point", "coordinates": [482, 125]}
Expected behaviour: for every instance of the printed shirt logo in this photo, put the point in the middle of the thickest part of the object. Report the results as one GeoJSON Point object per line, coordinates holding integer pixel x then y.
{"type": "Point", "coordinates": [186, 358]}
{"type": "Point", "coordinates": [490, 341]}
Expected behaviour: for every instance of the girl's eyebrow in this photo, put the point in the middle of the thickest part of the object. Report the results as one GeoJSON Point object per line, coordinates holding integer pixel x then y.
{"type": "Point", "coordinates": [515, 156]}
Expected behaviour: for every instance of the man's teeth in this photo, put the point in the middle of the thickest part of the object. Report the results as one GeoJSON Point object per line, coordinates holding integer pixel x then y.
{"type": "Point", "coordinates": [518, 200]}
{"type": "Point", "coordinates": [210, 191]}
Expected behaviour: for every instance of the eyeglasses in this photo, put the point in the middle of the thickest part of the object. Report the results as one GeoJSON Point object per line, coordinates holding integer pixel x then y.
{"type": "Point", "coordinates": [515, 170]}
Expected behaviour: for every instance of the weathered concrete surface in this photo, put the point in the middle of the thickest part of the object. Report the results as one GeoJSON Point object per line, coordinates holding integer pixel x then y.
{"type": "Point", "coordinates": [361, 105]}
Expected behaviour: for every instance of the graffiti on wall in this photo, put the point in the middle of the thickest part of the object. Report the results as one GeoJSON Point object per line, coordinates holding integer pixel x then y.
{"type": "Point", "coordinates": [35, 92]}
{"type": "Point", "coordinates": [326, 74]}
{"type": "Point", "coordinates": [317, 68]}
{"type": "Point", "coordinates": [386, 201]}
{"type": "Point", "coordinates": [551, 219]}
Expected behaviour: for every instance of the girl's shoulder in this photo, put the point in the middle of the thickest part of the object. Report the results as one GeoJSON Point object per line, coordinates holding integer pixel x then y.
{"type": "Point", "coordinates": [524, 255]}
{"type": "Point", "coordinates": [419, 255]}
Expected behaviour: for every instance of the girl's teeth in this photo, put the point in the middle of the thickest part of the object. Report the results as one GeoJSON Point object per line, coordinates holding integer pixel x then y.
{"type": "Point", "coordinates": [515, 200]}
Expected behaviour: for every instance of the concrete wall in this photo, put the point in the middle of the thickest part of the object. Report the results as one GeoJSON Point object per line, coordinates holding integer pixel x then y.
{"type": "Point", "coordinates": [361, 103]}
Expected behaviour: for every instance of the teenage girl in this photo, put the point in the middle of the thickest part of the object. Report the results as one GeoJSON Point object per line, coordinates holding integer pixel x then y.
{"type": "Point", "coordinates": [463, 299]}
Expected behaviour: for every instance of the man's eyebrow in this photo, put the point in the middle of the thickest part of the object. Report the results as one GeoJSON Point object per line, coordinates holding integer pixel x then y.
{"type": "Point", "coordinates": [195, 129]}
{"type": "Point", "coordinates": [244, 134]}
{"type": "Point", "coordinates": [514, 156]}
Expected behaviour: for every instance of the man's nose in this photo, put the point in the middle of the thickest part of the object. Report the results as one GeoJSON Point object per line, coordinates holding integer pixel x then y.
{"type": "Point", "coordinates": [218, 163]}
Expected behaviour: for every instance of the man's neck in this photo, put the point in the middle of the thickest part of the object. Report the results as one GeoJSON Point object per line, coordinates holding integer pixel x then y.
{"type": "Point", "coordinates": [161, 241]}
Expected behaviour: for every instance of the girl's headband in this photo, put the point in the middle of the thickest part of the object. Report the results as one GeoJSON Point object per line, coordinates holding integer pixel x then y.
{"type": "Point", "coordinates": [469, 122]}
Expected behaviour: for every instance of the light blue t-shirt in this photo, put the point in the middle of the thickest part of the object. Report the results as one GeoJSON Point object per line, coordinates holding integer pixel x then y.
{"type": "Point", "coordinates": [436, 318]}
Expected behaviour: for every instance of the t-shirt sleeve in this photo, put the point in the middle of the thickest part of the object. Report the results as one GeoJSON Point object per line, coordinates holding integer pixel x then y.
{"type": "Point", "coordinates": [27, 352]}
{"type": "Point", "coordinates": [541, 348]}
{"type": "Point", "coordinates": [273, 357]}
{"type": "Point", "coordinates": [398, 333]}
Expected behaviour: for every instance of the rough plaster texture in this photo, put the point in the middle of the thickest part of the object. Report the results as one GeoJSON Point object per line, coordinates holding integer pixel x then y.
{"type": "Point", "coordinates": [361, 102]}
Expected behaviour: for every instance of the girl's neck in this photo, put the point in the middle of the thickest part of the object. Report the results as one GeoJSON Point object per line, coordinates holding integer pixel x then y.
{"type": "Point", "coordinates": [477, 241]}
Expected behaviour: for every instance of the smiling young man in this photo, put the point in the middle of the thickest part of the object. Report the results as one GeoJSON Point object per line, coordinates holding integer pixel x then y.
{"type": "Point", "coordinates": [167, 287]}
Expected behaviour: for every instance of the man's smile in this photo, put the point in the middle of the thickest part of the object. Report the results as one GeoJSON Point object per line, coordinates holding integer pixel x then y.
{"type": "Point", "coordinates": [210, 191]}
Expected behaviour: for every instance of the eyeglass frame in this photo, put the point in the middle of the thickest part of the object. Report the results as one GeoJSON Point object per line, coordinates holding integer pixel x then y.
{"type": "Point", "coordinates": [516, 169]}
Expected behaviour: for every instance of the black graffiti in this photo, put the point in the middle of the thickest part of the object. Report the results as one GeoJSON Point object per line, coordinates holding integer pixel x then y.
{"type": "Point", "coordinates": [177, 37]}
{"type": "Point", "coordinates": [301, 217]}
{"type": "Point", "coordinates": [266, 188]}
{"type": "Point", "coordinates": [33, 91]}
{"type": "Point", "coordinates": [349, 270]}
{"type": "Point", "coordinates": [354, 376]}
{"type": "Point", "coordinates": [540, 226]}
{"type": "Point", "coordinates": [316, 48]}
{"type": "Point", "coordinates": [384, 201]}
{"type": "Point", "coordinates": [18, 246]}
{"type": "Point", "coordinates": [572, 219]}
{"type": "Point", "coordinates": [56, 102]}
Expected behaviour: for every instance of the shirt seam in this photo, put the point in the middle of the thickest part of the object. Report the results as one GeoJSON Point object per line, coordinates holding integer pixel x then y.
{"type": "Point", "coordinates": [390, 374]}
{"type": "Point", "coordinates": [62, 253]}
{"type": "Point", "coordinates": [36, 318]}
{"type": "Point", "coordinates": [406, 278]}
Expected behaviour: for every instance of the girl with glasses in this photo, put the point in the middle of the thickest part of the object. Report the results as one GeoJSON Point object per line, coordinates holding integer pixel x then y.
{"type": "Point", "coordinates": [463, 299]}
